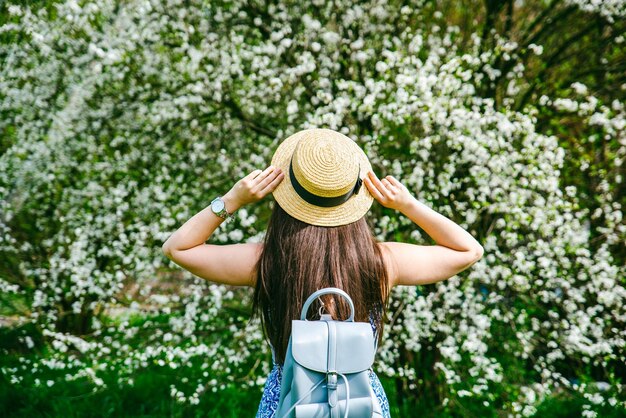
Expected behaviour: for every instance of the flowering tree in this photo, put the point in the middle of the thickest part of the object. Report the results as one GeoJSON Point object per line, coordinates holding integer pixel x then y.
{"type": "Point", "coordinates": [120, 120]}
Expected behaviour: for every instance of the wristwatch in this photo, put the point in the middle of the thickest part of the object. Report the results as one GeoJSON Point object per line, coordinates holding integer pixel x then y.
{"type": "Point", "coordinates": [219, 208]}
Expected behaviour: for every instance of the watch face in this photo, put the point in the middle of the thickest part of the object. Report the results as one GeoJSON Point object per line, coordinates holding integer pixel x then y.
{"type": "Point", "coordinates": [217, 206]}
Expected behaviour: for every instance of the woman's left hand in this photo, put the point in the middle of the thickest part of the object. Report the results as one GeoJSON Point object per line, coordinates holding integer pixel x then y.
{"type": "Point", "coordinates": [256, 185]}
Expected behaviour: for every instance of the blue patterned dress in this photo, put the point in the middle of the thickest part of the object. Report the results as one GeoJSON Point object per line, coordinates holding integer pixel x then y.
{"type": "Point", "coordinates": [271, 392]}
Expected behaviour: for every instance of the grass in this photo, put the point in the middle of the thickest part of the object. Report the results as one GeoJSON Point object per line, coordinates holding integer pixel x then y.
{"type": "Point", "coordinates": [149, 397]}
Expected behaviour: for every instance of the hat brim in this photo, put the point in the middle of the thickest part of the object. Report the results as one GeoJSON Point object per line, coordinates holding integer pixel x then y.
{"type": "Point", "coordinates": [285, 195]}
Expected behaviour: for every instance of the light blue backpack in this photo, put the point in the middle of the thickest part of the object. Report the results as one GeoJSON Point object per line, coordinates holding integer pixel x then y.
{"type": "Point", "coordinates": [326, 368]}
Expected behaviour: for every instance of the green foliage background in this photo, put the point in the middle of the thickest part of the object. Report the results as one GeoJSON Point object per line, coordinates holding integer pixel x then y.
{"type": "Point", "coordinates": [119, 119]}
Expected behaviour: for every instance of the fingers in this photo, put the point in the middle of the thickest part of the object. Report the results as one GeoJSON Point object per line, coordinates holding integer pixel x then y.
{"type": "Point", "coordinates": [259, 174]}
{"type": "Point", "coordinates": [274, 183]}
{"type": "Point", "coordinates": [387, 191]}
{"type": "Point", "coordinates": [373, 190]}
{"type": "Point", "coordinates": [388, 184]}
{"type": "Point", "coordinates": [267, 180]}
{"type": "Point", "coordinates": [263, 173]}
{"type": "Point", "coordinates": [394, 182]}
{"type": "Point", "coordinates": [377, 189]}
{"type": "Point", "coordinates": [253, 174]}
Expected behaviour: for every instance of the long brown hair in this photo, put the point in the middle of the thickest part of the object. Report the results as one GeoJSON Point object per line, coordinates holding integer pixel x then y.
{"type": "Point", "coordinates": [299, 258]}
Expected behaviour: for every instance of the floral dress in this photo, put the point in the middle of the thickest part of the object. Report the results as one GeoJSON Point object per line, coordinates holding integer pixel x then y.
{"type": "Point", "coordinates": [271, 392]}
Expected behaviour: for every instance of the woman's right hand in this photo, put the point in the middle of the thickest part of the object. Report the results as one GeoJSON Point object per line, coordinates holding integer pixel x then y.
{"type": "Point", "coordinates": [389, 192]}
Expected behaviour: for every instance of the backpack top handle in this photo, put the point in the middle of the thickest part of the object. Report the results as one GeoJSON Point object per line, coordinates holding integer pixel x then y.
{"type": "Point", "coordinates": [325, 291]}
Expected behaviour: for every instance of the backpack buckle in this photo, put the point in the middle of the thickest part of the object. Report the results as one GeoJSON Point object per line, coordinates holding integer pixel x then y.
{"type": "Point", "coordinates": [331, 378]}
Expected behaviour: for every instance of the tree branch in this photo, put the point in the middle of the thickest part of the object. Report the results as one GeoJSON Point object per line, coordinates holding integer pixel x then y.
{"type": "Point", "coordinates": [550, 61]}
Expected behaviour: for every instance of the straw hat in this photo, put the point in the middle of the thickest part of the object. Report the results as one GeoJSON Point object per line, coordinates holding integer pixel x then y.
{"type": "Point", "coordinates": [323, 177]}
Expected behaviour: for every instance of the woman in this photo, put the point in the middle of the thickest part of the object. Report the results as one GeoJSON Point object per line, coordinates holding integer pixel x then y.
{"type": "Point", "coordinates": [319, 237]}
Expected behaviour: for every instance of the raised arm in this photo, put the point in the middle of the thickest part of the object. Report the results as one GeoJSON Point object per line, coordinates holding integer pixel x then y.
{"type": "Point", "coordinates": [231, 264]}
{"type": "Point", "coordinates": [413, 264]}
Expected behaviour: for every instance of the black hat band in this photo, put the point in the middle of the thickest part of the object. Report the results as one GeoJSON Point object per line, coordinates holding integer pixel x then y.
{"type": "Point", "coordinates": [323, 201]}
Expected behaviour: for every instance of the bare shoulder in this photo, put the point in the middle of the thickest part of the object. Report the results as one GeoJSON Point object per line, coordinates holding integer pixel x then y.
{"type": "Point", "coordinates": [412, 264]}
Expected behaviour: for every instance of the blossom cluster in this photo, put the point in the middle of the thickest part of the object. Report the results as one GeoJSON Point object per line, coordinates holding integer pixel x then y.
{"type": "Point", "coordinates": [126, 119]}
{"type": "Point", "coordinates": [609, 9]}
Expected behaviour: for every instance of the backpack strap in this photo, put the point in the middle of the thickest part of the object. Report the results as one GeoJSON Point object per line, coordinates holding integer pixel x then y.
{"type": "Point", "coordinates": [304, 396]}
{"type": "Point", "coordinates": [325, 291]}
{"type": "Point", "coordinates": [376, 341]}
{"type": "Point", "coordinates": [345, 415]}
